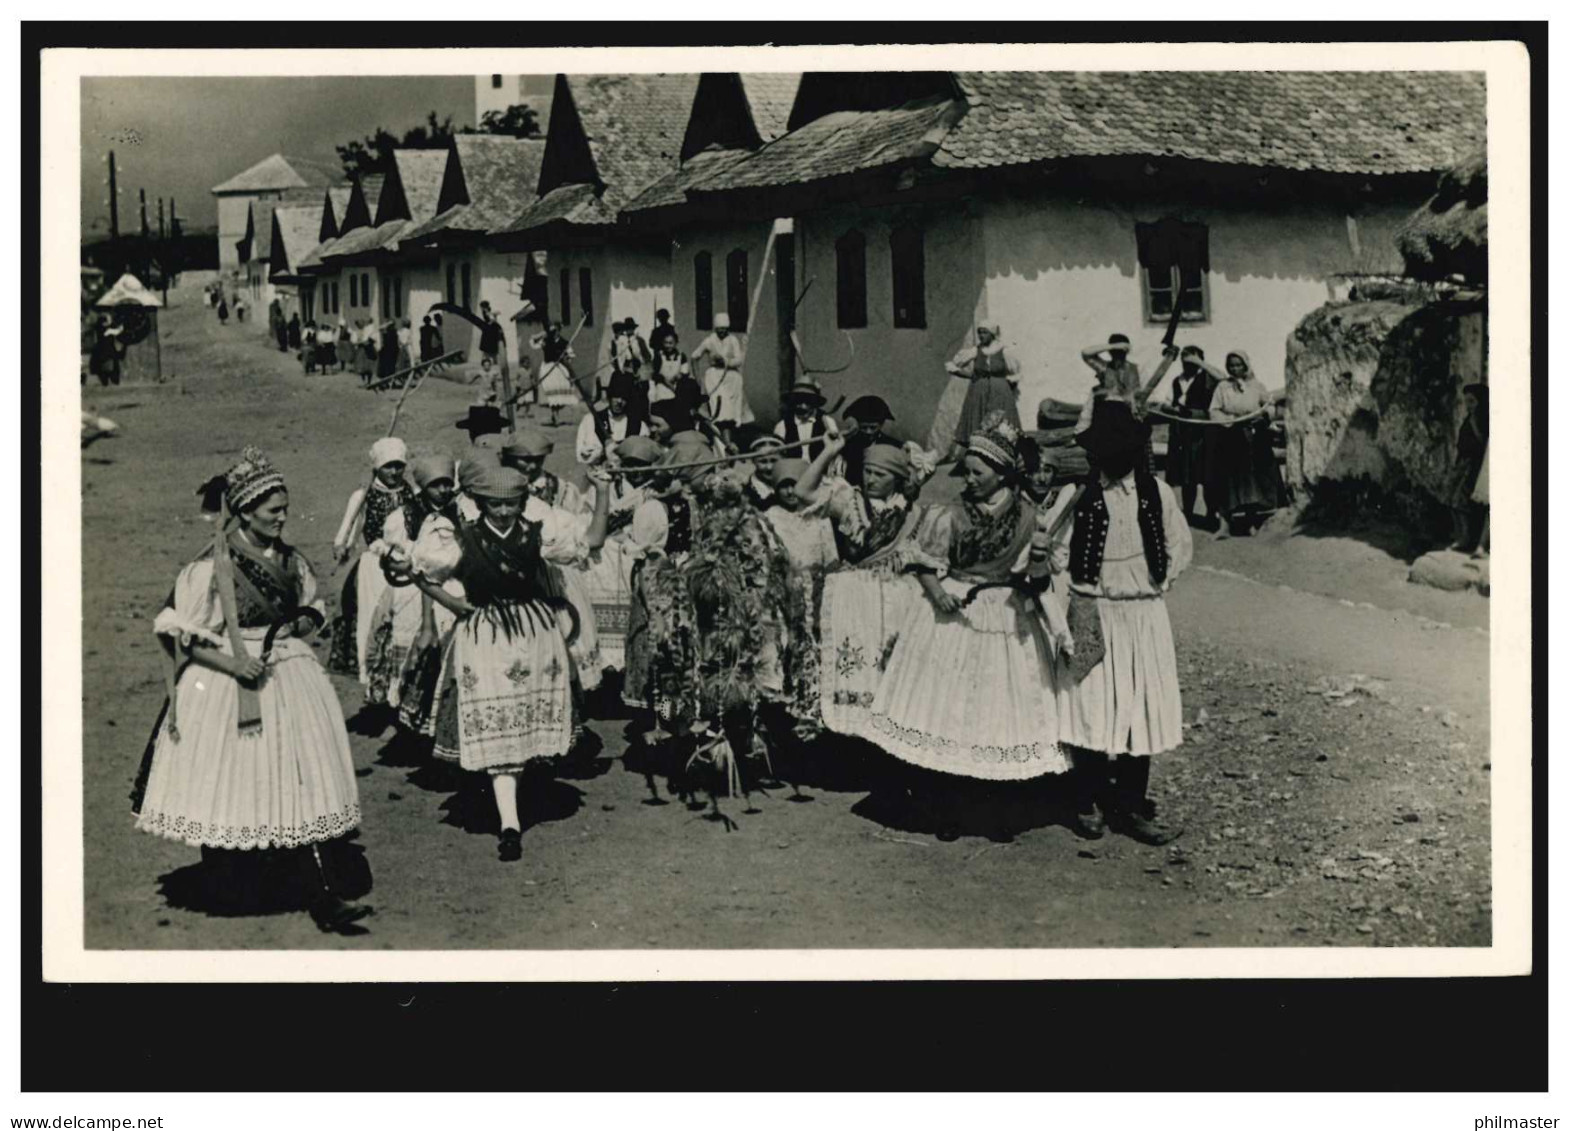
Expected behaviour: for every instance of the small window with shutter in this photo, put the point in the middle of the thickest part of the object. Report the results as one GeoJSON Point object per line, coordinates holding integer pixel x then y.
{"type": "Point", "coordinates": [1174, 257]}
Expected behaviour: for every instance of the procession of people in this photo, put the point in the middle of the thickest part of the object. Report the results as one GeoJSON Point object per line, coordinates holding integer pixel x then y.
{"type": "Point", "coordinates": [759, 596]}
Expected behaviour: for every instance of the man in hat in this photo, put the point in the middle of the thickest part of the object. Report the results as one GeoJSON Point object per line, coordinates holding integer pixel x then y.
{"type": "Point", "coordinates": [662, 331]}
{"type": "Point", "coordinates": [602, 429]}
{"type": "Point", "coordinates": [629, 352]}
{"type": "Point", "coordinates": [1118, 701]}
{"type": "Point", "coordinates": [492, 339]}
{"type": "Point", "coordinates": [724, 355]}
{"type": "Point", "coordinates": [805, 420]}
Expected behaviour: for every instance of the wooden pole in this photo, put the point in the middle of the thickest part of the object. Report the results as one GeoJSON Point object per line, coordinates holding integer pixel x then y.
{"type": "Point", "coordinates": [114, 201]}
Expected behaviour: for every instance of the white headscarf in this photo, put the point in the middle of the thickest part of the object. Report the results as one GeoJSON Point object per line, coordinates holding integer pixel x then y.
{"type": "Point", "coordinates": [387, 450]}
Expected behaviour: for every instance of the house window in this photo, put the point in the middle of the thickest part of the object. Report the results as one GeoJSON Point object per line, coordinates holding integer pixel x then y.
{"type": "Point", "coordinates": [397, 296]}
{"type": "Point", "coordinates": [452, 283]}
{"type": "Point", "coordinates": [386, 297]}
{"type": "Point", "coordinates": [335, 307]}
{"type": "Point", "coordinates": [566, 295]}
{"type": "Point", "coordinates": [1170, 250]}
{"type": "Point", "coordinates": [468, 287]}
{"type": "Point", "coordinates": [354, 290]}
{"type": "Point", "coordinates": [495, 82]}
{"type": "Point", "coordinates": [736, 289]}
{"type": "Point", "coordinates": [703, 289]}
{"type": "Point", "coordinates": [585, 294]}
{"type": "Point", "coordinates": [907, 257]}
{"type": "Point", "coordinates": [850, 252]}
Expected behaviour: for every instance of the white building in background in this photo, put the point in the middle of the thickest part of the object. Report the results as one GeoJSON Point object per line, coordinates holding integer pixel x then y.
{"type": "Point", "coordinates": [497, 92]}
{"type": "Point", "coordinates": [268, 179]}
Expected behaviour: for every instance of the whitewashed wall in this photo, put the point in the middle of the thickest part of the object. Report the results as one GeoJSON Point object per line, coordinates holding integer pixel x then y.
{"type": "Point", "coordinates": [1061, 275]}
{"type": "Point", "coordinates": [627, 282]}
{"type": "Point", "coordinates": [903, 366]}
{"type": "Point", "coordinates": [762, 372]}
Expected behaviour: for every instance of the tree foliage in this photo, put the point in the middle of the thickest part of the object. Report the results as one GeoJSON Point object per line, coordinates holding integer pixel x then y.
{"type": "Point", "coordinates": [373, 153]}
{"type": "Point", "coordinates": [518, 120]}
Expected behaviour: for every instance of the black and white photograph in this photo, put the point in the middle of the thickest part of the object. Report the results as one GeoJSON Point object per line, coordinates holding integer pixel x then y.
{"type": "Point", "coordinates": [631, 513]}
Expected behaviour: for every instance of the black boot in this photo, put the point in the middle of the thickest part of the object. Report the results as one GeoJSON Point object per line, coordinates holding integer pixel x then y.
{"type": "Point", "coordinates": [1091, 783]}
{"type": "Point", "coordinates": [331, 914]}
{"type": "Point", "coordinates": [1131, 809]}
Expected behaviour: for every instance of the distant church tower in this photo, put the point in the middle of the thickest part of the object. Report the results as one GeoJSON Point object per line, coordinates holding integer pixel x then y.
{"type": "Point", "coordinates": [497, 92]}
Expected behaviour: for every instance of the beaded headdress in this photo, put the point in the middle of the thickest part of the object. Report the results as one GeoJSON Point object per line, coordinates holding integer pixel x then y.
{"type": "Point", "coordinates": [251, 479]}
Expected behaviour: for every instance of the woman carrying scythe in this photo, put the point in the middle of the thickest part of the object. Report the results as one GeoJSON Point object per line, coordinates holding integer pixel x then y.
{"type": "Point", "coordinates": [251, 753]}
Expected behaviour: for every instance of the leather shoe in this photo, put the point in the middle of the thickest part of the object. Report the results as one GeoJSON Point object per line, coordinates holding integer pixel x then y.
{"type": "Point", "coordinates": [1089, 826]}
{"type": "Point", "coordinates": [332, 915]}
{"type": "Point", "coordinates": [1140, 828]}
{"type": "Point", "coordinates": [510, 846]}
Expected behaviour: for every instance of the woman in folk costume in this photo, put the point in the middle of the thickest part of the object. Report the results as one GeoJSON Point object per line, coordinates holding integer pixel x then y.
{"type": "Point", "coordinates": [866, 597]}
{"type": "Point", "coordinates": [1118, 702]}
{"type": "Point", "coordinates": [401, 611]}
{"type": "Point", "coordinates": [991, 385]}
{"type": "Point", "coordinates": [251, 752]}
{"type": "Point", "coordinates": [765, 454]}
{"type": "Point", "coordinates": [968, 688]}
{"type": "Point", "coordinates": [508, 674]}
{"type": "Point", "coordinates": [434, 533]}
{"type": "Point", "coordinates": [724, 356]}
{"type": "Point", "coordinates": [527, 449]}
{"type": "Point", "coordinates": [557, 383]}
{"type": "Point", "coordinates": [1241, 461]}
{"type": "Point", "coordinates": [382, 515]}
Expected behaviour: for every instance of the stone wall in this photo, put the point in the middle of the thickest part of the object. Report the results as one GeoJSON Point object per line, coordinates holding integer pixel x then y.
{"type": "Point", "coordinates": [1374, 402]}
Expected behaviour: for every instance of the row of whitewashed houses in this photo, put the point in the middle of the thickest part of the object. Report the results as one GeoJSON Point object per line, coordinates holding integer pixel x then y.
{"type": "Point", "coordinates": [884, 215]}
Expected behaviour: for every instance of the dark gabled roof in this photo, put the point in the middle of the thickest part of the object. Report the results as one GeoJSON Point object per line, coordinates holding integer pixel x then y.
{"type": "Point", "coordinates": [489, 180]}
{"type": "Point", "coordinates": [280, 172]}
{"type": "Point", "coordinates": [620, 132]}
{"type": "Point", "coordinates": [1327, 121]}
{"type": "Point", "coordinates": [837, 144]}
{"type": "Point", "coordinates": [569, 204]}
{"type": "Point", "coordinates": [770, 97]}
{"type": "Point", "coordinates": [1446, 238]}
{"type": "Point", "coordinates": [335, 204]}
{"type": "Point", "coordinates": [294, 231]}
{"type": "Point", "coordinates": [670, 190]}
{"type": "Point", "coordinates": [257, 241]}
{"type": "Point", "coordinates": [411, 190]}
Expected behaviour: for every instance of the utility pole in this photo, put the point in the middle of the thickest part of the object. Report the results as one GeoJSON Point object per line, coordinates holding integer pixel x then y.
{"type": "Point", "coordinates": [160, 220]}
{"type": "Point", "coordinates": [114, 201]}
{"type": "Point", "coordinates": [143, 195]}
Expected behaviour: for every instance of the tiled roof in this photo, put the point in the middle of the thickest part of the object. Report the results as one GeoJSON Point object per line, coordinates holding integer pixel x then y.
{"type": "Point", "coordinates": [671, 189]}
{"type": "Point", "coordinates": [837, 144]}
{"type": "Point", "coordinates": [370, 188]}
{"type": "Point", "coordinates": [500, 174]}
{"type": "Point", "coordinates": [1329, 121]}
{"type": "Point", "coordinates": [569, 204]}
{"type": "Point", "coordinates": [770, 97]}
{"type": "Point", "coordinates": [280, 172]}
{"type": "Point", "coordinates": [297, 226]}
{"type": "Point", "coordinates": [339, 195]}
{"type": "Point", "coordinates": [419, 172]}
{"type": "Point", "coordinates": [1447, 237]}
{"type": "Point", "coordinates": [634, 125]}
{"type": "Point", "coordinates": [318, 256]}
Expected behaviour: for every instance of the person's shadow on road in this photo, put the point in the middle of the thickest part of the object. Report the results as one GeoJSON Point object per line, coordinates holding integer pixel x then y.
{"type": "Point", "coordinates": [230, 884]}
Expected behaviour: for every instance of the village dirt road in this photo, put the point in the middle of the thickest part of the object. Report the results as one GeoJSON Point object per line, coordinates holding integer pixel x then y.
{"type": "Point", "coordinates": [1334, 785]}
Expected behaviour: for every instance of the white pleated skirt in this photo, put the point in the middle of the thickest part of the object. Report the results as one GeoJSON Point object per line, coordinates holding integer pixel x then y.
{"type": "Point", "coordinates": [369, 586]}
{"type": "Point", "coordinates": [606, 584]}
{"type": "Point", "coordinates": [1129, 703]}
{"type": "Point", "coordinates": [291, 785]}
{"type": "Point", "coordinates": [971, 694]}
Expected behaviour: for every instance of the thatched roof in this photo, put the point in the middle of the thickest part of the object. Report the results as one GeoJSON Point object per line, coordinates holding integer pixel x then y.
{"type": "Point", "coordinates": [1446, 239]}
